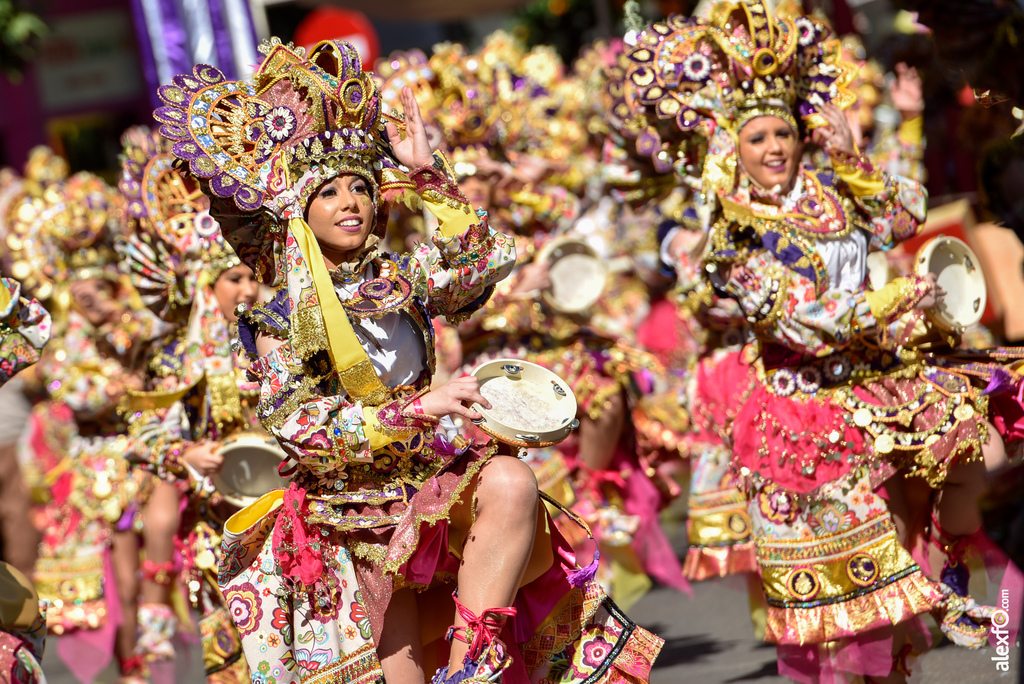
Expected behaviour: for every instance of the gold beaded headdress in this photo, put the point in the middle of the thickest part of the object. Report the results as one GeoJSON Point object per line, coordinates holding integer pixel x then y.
{"type": "Point", "coordinates": [269, 143]}
{"type": "Point", "coordinates": [56, 227]}
{"type": "Point", "coordinates": [690, 76]}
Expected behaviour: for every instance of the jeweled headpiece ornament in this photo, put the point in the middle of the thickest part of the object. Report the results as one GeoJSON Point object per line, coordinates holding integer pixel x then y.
{"type": "Point", "coordinates": [299, 122]}
{"type": "Point", "coordinates": [691, 76]}
{"type": "Point", "coordinates": [173, 244]}
{"type": "Point", "coordinates": [56, 227]}
{"type": "Point", "coordinates": [740, 63]}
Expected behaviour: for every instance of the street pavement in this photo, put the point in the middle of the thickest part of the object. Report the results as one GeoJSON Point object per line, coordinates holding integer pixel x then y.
{"type": "Point", "coordinates": [708, 640]}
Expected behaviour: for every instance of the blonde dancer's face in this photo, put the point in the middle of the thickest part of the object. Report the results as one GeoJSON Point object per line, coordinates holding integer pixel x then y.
{"type": "Point", "coordinates": [770, 152]}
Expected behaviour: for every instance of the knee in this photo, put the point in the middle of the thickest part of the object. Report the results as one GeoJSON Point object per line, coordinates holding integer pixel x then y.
{"type": "Point", "coordinates": [509, 483]}
{"type": "Point", "coordinates": [160, 519]}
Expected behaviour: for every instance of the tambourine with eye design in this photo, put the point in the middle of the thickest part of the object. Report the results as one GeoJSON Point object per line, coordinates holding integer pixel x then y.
{"type": "Point", "coordinates": [251, 460]}
{"type": "Point", "coordinates": [958, 272]}
{"type": "Point", "coordinates": [530, 406]}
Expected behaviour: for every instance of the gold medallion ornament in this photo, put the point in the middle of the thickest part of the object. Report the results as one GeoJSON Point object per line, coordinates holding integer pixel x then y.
{"type": "Point", "coordinates": [884, 444]}
{"type": "Point", "coordinates": [862, 417]}
{"type": "Point", "coordinates": [963, 412]}
{"type": "Point", "coordinates": [803, 584]}
{"type": "Point", "coordinates": [862, 569]}
{"type": "Point", "coordinates": [739, 525]}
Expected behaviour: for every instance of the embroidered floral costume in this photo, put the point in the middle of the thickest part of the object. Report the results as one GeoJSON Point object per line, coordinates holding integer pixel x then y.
{"type": "Point", "coordinates": [196, 389]}
{"type": "Point", "coordinates": [840, 406]}
{"type": "Point", "coordinates": [76, 440]}
{"type": "Point", "coordinates": [308, 572]}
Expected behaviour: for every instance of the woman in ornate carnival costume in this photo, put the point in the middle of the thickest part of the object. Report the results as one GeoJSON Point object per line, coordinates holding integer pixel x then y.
{"type": "Point", "coordinates": [340, 576]}
{"type": "Point", "coordinates": [196, 396]}
{"type": "Point", "coordinates": [847, 403]}
{"type": "Point", "coordinates": [89, 552]}
{"type": "Point", "coordinates": [699, 340]}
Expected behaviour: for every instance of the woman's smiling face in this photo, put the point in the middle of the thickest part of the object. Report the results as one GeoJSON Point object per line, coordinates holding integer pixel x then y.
{"type": "Point", "coordinates": [341, 215]}
{"type": "Point", "coordinates": [770, 152]}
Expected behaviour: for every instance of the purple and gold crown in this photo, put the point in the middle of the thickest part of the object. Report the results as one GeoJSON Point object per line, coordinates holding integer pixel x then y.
{"type": "Point", "coordinates": [690, 75]}
{"type": "Point", "coordinates": [255, 141]}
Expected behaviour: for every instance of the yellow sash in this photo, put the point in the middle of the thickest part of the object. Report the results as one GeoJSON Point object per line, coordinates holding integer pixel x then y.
{"type": "Point", "coordinates": [357, 374]}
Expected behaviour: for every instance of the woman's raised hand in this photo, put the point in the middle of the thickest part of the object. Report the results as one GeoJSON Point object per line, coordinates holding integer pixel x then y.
{"type": "Point", "coordinates": [907, 92]}
{"type": "Point", "coordinates": [453, 397]}
{"type": "Point", "coordinates": [837, 135]}
{"type": "Point", "coordinates": [414, 149]}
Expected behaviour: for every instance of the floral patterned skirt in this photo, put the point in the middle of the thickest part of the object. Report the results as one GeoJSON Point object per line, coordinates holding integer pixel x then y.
{"type": "Point", "coordinates": [308, 578]}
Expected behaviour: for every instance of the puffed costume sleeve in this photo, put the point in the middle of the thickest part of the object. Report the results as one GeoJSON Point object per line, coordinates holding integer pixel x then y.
{"type": "Point", "coordinates": [25, 327]}
{"type": "Point", "coordinates": [896, 206]}
{"type": "Point", "coordinates": [465, 257]}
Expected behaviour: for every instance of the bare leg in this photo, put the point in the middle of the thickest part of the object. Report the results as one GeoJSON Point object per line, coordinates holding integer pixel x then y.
{"type": "Point", "coordinates": [498, 540]}
{"type": "Point", "coordinates": [125, 553]}
{"type": "Point", "coordinates": [899, 638]}
{"type": "Point", "coordinates": [598, 438]}
{"type": "Point", "coordinates": [160, 525]}
{"type": "Point", "coordinates": [400, 650]}
{"type": "Point", "coordinates": [19, 536]}
{"type": "Point", "coordinates": [956, 504]}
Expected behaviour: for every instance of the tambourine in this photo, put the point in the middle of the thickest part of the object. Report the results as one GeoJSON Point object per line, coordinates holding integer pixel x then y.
{"type": "Point", "coordinates": [530, 406]}
{"type": "Point", "coordinates": [958, 272]}
{"type": "Point", "coordinates": [577, 273]}
{"type": "Point", "coordinates": [250, 468]}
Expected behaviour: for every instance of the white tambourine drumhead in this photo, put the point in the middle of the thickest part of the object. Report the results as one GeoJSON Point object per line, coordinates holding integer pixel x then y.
{"type": "Point", "coordinates": [958, 272]}
{"type": "Point", "coordinates": [250, 468]}
{"type": "Point", "coordinates": [530, 405]}
{"type": "Point", "coordinates": [577, 274]}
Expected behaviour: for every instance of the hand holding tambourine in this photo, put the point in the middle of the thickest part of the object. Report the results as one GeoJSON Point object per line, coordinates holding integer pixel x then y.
{"type": "Point", "coordinates": [958, 296]}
